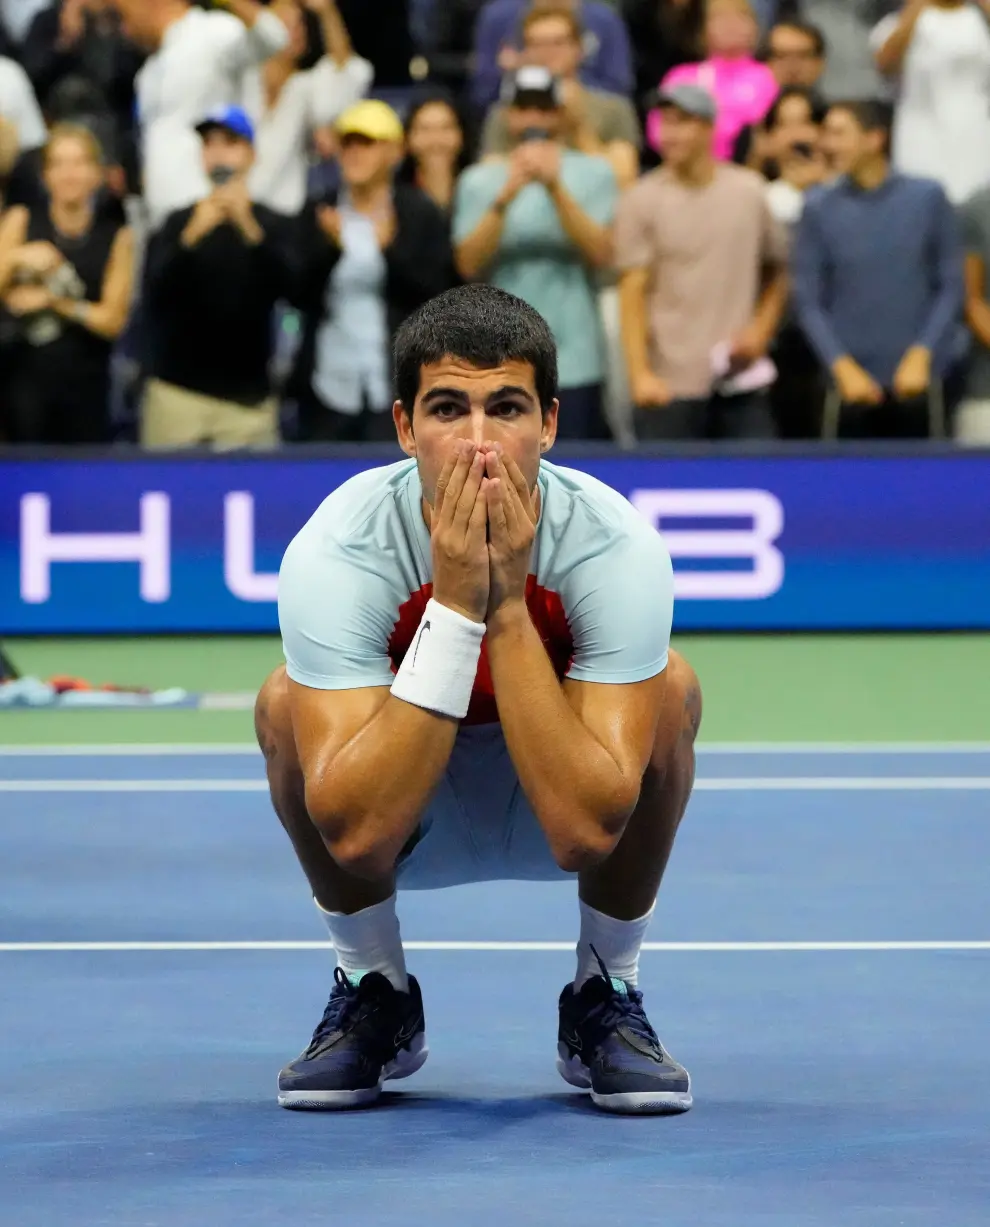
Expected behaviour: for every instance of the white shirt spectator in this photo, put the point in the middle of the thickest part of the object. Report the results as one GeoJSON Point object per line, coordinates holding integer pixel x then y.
{"type": "Point", "coordinates": [200, 66]}
{"type": "Point", "coordinates": [308, 100]}
{"type": "Point", "coordinates": [19, 106]}
{"type": "Point", "coordinates": [942, 125]}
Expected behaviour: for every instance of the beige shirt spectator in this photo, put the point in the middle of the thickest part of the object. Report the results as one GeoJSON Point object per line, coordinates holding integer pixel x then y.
{"type": "Point", "coordinates": [608, 116]}
{"type": "Point", "coordinates": [705, 249]}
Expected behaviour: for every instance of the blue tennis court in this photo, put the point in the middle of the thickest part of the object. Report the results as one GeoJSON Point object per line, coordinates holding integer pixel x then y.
{"type": "Point", "coordinates": [820, 960]}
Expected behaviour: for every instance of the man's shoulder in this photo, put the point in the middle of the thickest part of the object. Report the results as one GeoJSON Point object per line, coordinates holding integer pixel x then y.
{"type": "Point", "coordinates": [584, 512]}
{"type": "Point", "coordinates": [353, 512]}
{"type": "Point", "coordinates": [482, 175]}
{"type": "Point", "coordinates": [740, 180]}
{"type": "Point", "coordinates": [587, 168]}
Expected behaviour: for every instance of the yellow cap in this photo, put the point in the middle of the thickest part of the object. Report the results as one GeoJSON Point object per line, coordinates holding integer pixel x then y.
{"type": "Point", "coordinates": [371, 118]}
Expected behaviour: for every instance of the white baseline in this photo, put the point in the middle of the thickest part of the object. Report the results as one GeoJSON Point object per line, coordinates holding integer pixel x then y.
{"type": "Point", "coordinates": [520, 947]}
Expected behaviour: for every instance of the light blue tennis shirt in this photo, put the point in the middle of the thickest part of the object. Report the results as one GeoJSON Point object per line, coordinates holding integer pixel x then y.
{"type": "Point", "coordinates": [536, 260]}
{"type": "Point", "coordinates": [355, 581]}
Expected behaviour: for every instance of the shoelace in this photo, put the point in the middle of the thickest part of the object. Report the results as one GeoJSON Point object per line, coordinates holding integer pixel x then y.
{"type": "Point", "coordinates": [343, 1000]}
{"type": "Point", "coordinates": [617, 1009]}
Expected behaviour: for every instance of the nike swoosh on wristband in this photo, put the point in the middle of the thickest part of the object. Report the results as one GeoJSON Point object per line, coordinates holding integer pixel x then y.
{"type": "Point", "coordinates": [419, 639]}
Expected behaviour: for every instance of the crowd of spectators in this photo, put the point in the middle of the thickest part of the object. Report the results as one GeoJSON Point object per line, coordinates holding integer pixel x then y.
{"type": "Point", "coordinates": [741, 218]}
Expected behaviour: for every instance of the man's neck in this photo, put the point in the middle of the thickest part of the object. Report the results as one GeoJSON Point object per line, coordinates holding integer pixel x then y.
{"type": "Point", "coordinates": [698, 173]}
{"type": "Point", "coordinates": [871, 174]}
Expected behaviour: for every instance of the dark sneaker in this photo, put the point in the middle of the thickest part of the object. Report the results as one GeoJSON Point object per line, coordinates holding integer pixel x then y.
{"type": "Point", "coordinates": [606, 1045]}
{"type": "Point", "coordinates": [369, 1032]}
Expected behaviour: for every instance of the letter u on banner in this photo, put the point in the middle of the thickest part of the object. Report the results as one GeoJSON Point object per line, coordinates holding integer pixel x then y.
{"type": "Point", "coordinates": [755, 543]}
{"type": "Point", "coordinates": [238, 552]}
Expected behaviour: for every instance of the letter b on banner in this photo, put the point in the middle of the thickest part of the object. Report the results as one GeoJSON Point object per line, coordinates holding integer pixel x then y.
{"type": "Point", "coordinates": [755, 542]}
{"type": "Point", "coordinates": [148, 547]}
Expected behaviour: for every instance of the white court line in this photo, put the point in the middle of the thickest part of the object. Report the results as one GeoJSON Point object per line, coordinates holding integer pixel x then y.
{"type": "Point", "coordinates": [498, 947]}
{"type": "Point", "coordinates": [907, 783]}
{"type": "Point", "coordinates": [198, 749]}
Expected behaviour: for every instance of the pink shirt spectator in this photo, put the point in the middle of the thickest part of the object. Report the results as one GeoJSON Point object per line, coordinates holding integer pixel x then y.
{"type": "Point", "coordinates": [743, 89]}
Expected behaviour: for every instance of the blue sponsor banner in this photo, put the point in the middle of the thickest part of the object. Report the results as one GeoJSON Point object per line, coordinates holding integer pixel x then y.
{"type": "Point", "coordinates": [760, 542]}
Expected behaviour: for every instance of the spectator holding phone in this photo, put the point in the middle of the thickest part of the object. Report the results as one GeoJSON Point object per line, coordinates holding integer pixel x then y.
{"type": "Point", "coordinates": [538, 225]}
{"type": "Point", "coordinates": [215, 272]}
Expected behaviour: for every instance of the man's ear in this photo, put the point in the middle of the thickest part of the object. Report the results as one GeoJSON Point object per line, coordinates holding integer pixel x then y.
{"type": "Point", "coordinates": [404, 428]}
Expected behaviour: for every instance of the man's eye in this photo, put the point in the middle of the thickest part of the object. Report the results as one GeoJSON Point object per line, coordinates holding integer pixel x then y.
{"type": "Point", "coordinates": [506, 409]}
{"type": "Point", "coordinates": [446, 410]}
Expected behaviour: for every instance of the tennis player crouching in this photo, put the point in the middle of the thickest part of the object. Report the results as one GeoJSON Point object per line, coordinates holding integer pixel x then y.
{"type": "Point", "coordinates": [478, 687]}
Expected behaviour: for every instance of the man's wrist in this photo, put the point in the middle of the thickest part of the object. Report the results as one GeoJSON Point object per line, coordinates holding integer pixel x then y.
{"type": "Point", "coordinates": [509, 617]}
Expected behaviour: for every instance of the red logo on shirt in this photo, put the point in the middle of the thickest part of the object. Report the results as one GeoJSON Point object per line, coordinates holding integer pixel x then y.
{"type": "Point", "coordinates": [547, 612]}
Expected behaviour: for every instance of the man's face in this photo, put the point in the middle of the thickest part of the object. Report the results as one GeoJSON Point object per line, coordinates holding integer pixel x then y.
{"type": "Point", "coordinates": [520, 119]}
{"type": "Point", "coordinates": [482, 404]}
{"type": "Point", "coordinates": [793, 58]}
{"type": "Point", "coordinates": [551, 43]}
{"type": "Point", "coordinates": [683, 138]}
{"type": "Point", "coordinates": [364, 162]}
{"type": "Point", "coordinates": [137, 21]}
{"type": "Point", "coordinates": [222, 149]}
{"type": "Point", "coordinates": [844, 142]}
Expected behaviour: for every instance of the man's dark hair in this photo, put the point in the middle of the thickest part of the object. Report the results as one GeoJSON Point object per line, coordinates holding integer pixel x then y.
{"type": "Point", "coordinates": [811, 32]}
{"type": "Point", "coordinates": [871, 114]}
{"type": "Point", "coordinates": [817, 108]}
{"type": "Point", "coordinates": [479, 324]}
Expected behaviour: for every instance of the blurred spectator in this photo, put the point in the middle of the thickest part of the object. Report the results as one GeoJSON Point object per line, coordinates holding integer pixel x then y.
{"type": "Point", "coordinates": [215, 272]}
{"type": "Point", "coordinates": [595, 122]}
{"type": "Point", "coordinates": [973, 416]}
{"type": "Point", "coordinates": [703, 285]}
{"type": "Point", "coordinates": [796, 55]}
{"type": "Point", "coordinates": [791, 144]}
{"type": "Point", "coordinates": [66, 272]}
{"type": "Point", "coordinates": [742, 87]}
{"type": "Point", "coordinates": [199, 62]}
{"type": "Point", "coordinates": [372, 254]}
{"type": "Point", "coordinates": [287, 103]}
{"type": "Point", "coordinates": [795, 164]}
{"type": "Point", "coordinates": [878, 281]}
{"type": "Point", "coordinates": [607, 57]}
{"type": "Point", "coordinates": [82, 39]}
{"type": "Point", "coordinates": [939, 53]}
{"type": "Point", "coordinates": [435, 153]}
{"type": "Point", "coordinates": [846, 25]}
{"type": "Point", "coordinates": [538, 225]}
{"type": "Point", "coordinates": [664, 34]}
{"type": "Point", "coordinates": [19, 107]}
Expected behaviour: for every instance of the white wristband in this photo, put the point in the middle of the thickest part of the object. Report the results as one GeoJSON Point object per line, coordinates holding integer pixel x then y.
{"type": "Point", "coordinates": [438, 671]}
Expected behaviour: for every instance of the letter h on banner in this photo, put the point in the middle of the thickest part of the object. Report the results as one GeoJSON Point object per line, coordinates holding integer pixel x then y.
{"type": "Point", "coordinates": [149, 547]}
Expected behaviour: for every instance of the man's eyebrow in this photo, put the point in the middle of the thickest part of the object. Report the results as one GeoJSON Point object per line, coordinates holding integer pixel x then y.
{"type": "Point", "coordinates": [458, 394]}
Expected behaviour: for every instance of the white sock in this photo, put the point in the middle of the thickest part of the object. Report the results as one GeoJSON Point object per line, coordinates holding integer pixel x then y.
{"type": "Point", "coordinates": [618, 942]}
{"type": "Point", "coordinates": [369, 941]}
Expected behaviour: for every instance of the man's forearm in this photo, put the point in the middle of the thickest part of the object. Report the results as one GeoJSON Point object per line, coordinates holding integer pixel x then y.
{"type": "Point", "coordinates": [772, 304]}
{"type": "Point", "coordinates": [632, 324]}
{"type": "Point", "coordinates": [590, 237]}
{"type": "Point", "coordinates": [474, 254]}
{"type": "Point", "coordinates": [577, 790]}
{"type": "Point", "coordinates": [366, 799]}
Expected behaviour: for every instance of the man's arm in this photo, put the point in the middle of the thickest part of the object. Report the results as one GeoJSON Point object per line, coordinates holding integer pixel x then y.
{"type": "Point", "coordinates": [479, 216]}
{"type": "Point", "coordinates": [586, 222]}
{"type": "Point", "coordinates": [946, 275]}
{"type": "Point", "coordinates": [808, 272]}
{"type": "Point", "coordinates": [581, 748]}
{"type": "Point", "coordinates": [370, 758]}
{"type": "Point", "coordinates": [262, 35]}
{"type": "Point", "coordinates": [370, 763]}
{"type": "Point", "coordinates": [891, 39]}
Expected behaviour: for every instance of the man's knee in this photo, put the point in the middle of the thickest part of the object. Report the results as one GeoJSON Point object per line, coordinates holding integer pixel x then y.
{"type": "Point", "coordinates": [272, 721]}
{"type": "Point", "coordinates": [684, 696]}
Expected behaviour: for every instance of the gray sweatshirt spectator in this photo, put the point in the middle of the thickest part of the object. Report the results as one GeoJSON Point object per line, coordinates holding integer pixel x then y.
{"type": "Point", "coordinates": [877, 269]}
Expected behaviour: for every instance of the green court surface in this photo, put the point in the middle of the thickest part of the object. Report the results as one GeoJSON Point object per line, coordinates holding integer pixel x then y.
{"type": "Point", "coordinates": [757, 688]}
